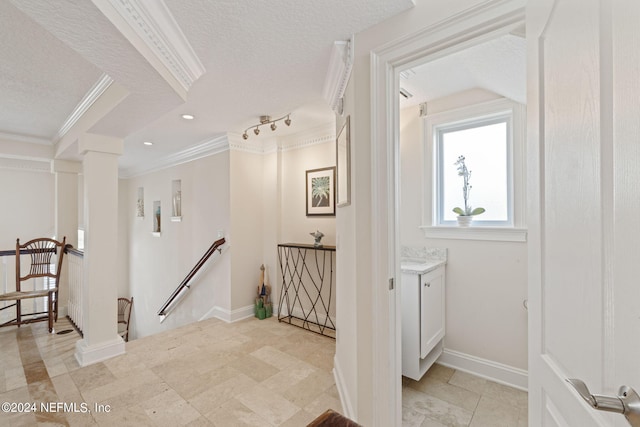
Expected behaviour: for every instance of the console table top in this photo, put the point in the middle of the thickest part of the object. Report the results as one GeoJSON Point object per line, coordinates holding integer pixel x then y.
{"type": "Point", "coordinates": [305, 246]}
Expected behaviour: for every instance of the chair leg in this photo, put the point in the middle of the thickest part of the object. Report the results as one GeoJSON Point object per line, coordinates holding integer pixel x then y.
{"type": "Point", "coordinates": [18, 312]}
{"type": "Point", "coordinates": [50, 311]}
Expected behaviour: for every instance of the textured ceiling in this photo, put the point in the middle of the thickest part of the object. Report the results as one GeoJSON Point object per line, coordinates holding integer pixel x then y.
{"type": "Point", "coordinates": [41, 79]}
{"type": "Point", "coordinates": [260, 58]}
{"type": "Point", "coordinates": [498, 65]}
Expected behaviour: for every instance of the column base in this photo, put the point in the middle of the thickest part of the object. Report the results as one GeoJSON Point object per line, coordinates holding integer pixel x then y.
{"type": "Point", "coordinates": [88, 355]}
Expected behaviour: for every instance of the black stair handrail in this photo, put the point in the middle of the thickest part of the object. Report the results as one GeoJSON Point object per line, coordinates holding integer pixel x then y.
{"type": "Point", "coordinates": [185, 283]}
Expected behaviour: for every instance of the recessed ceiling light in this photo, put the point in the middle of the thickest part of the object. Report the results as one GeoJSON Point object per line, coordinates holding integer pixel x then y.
{"type": "Point", "coordinates": [148, 143]}
{"type": "Point", "coordinates": [188, 116]}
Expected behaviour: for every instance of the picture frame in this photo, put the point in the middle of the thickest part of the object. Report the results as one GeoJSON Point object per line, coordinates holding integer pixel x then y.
{"type": "Point", "coordinates": [343, 165]}
{"type": "Point", "coordinates": [321, 191]}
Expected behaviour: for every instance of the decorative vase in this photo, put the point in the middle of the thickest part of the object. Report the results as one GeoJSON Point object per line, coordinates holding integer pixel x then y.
{"type": "Point", "coordinates": [464, 220]}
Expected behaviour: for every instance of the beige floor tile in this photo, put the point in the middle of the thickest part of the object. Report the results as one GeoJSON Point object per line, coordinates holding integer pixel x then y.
{"type": "Point", "coordinates": [272, 407]}
{"type": "Point", "coordinates": [449, 393]}
{"type": "Point", "coordinates": [135, 396]}
{"type": "Point", "coordinates": [468, 382]}
{"type": "Point", "coordinates": [169, 409]}
{"type": "Point", "coordinates": [308, 389]}
{"type": "Point", "coordinates": [120, 386]}
{"type": "Point", "coordinates": [322, 403]}
{"type": "Point", "coordinates": [190, 383]}
{"type": "Point", "coordinates": [411, 418]}
{"type": "Point", "coordinates": [436, 409]}
{"type": "Point", "coordinates": [440, 373]}
{"type": "Point", "coordinates": [92, 376]}
{"type": "Point", "coordinates": [254, 368]}
{"type": "Point", "coordinates": [200, 422]}
{"type": "Point", "coordinates": [234, 413]}
{"type": "Point", "coordinates": [274, 357]}
{"type": "Point", "coordinates": [493, 413]}
{"type": "Point", "coordinates": [212, 398]}
{"type": "Point", "coordinates": [289, 376]}
{"type": "Point", "coordinates": [300, 418]}
{"type": "Point", "coordinates": [505, 394]}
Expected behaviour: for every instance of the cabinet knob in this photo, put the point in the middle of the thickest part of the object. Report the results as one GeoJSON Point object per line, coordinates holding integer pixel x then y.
{"type": "Point", "coordinates": [427, 284]}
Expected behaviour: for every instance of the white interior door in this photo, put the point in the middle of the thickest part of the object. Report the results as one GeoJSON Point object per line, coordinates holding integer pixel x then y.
{"type": "Point", "coordinates": [584, 189]}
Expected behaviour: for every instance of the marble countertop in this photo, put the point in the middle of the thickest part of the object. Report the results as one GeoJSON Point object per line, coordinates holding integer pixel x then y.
{"type": "Point", "coordinates": [420, 267]}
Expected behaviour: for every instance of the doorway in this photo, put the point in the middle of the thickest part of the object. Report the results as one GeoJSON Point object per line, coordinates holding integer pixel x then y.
{"type": "Point", "coordinates": [387, 64]}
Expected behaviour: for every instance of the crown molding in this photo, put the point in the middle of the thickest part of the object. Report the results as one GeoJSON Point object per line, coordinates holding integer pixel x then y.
{"type": "Point", "coordinates": [154, 25]}
{"type": "Point", "coordinates": [251, 145]}
{"type": "Point", "coordinates": [203, 149]}
{"type": "Point", "coordinates": [317, 135]}
{"type": "Point", "coordinates": [87, 101]}
{"type": "Point", "coordinates": [25, 164]}
{"type": "Point", "coordinates": [338, 73]}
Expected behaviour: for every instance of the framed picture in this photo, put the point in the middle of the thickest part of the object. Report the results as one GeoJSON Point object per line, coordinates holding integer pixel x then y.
{"type": "Point", "coordinates": [321, 192]}
{"type": "Point", "coordinates": [343, 162]}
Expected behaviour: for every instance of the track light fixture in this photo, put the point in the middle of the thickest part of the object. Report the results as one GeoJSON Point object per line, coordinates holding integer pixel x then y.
{"type": "Point", "coordinates": [265, 120]}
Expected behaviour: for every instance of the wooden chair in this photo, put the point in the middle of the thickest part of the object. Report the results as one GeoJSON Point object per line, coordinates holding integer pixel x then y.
{"type": "Point", "coordinates": [42, 264]}
{"type": "Point", "coordinates": [124, 317]}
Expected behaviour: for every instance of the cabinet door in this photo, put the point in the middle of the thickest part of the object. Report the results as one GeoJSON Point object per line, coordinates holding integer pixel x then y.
{"type": "Point", "coordinates": [431, 311]}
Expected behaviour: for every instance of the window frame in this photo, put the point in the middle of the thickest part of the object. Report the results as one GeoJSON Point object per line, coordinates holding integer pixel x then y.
{"type": "Point", "coordinates": [467, 117]}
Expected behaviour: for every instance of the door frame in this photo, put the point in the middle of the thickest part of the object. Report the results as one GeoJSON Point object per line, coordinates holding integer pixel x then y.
{"type": "Point", "coordinates": [479, 23]}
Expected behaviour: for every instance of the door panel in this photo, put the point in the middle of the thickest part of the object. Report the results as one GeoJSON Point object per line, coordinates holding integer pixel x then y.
{"type": "Point", "coordinates": [583, 167]}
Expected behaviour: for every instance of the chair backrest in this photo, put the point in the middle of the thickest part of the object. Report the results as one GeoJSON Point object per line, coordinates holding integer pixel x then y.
{"type": "Point", "coordinates": [124, 310]}
{"type": "Point", "coordinates": [41, 251]}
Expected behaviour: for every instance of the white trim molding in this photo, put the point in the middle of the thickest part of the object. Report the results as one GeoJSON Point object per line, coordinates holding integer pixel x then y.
{"type": "Point", "coordinates": [154, 32]}
{"type": "Point", "coordinates": [198, 151]}
{"type": "Point", "coordinates": [496, 234]}
{"type": "Point", "coordinates": [338, 73]}
{"type": "Point", "coordinates": [229, 316]}
{"type": "Point", "coordinates": [338, 377]}
{"type": "Point", "coordinates": [25, 164]}
{"type": "Point", "coordinates": [87, 101]}
{"type": "Point", "coordinates": [488, 369]}
{"type": "Point", "coordinates": [88, 355]}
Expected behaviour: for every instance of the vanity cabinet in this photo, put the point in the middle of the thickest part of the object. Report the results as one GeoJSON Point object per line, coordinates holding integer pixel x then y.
{"type": "Point", "coordinates": [423, 316]}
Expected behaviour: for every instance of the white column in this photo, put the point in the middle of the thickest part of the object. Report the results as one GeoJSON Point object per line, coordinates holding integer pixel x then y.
{"type": "Point", "coordinates": [66, 217]}
{"type": "Point", "coordinates": [99, 305]}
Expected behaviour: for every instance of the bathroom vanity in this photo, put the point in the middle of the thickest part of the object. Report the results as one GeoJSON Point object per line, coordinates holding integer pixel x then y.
{"type": "Point", "coordinates": [423, 315]}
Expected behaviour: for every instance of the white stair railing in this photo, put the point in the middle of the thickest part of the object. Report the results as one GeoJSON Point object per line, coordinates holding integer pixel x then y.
{"type": "Point", "coordinates": [75, 262]}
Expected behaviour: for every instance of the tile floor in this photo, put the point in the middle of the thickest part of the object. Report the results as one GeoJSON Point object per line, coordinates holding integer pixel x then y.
{"type": "Point", "coordinates": [210, 373]}
{"type": "Point", "coordinates": [446, 397]}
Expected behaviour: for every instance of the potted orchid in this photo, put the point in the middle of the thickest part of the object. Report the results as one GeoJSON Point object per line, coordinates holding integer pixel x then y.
{"type": "Point", "coordinates": [465, 215]}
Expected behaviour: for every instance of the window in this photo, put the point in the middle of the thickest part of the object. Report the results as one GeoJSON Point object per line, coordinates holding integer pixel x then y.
{"type": "Point", "coordinates": [490, 137]}
{"type": "Point", "coordinates": [485, 145]}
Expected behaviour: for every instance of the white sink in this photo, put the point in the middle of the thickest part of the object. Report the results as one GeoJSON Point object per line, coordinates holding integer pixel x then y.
{"type": "Point", "coordinates": [420, 267]}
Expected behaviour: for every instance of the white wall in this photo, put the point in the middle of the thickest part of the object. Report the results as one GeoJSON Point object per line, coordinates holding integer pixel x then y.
{"type": "Point", "coordinates": [157, 265]}
{"type": "Point", "coordinates": [295, 225]}
{"type": "Point", "coordinates": [486, 281]}
{"type": "Point", "coordinates": [246, 235]}
{"type": "Point", "coordinates": [28, 198]}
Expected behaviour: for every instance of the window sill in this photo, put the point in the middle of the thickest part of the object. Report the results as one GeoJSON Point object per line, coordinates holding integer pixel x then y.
{"type": "Point", "coordinates": [497, 234]}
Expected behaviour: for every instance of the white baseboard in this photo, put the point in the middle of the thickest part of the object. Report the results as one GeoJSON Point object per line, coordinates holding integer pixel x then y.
{"type": "Point", "coordinates": [88, 355]}
{"type": "Point", "coordinates": [229, 316]}
{"type": "Point", "coordinates": [347, 408]}
{"type": "Point", "coordinates": [488, 369]}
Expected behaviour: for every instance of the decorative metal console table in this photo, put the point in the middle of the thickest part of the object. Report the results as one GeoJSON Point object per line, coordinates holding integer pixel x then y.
{"type": "Point", "coordinates": [307, 297]}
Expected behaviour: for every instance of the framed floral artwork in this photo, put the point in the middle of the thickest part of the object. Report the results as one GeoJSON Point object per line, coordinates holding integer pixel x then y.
{"type": "Point", "coordinates": [321, 192]}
